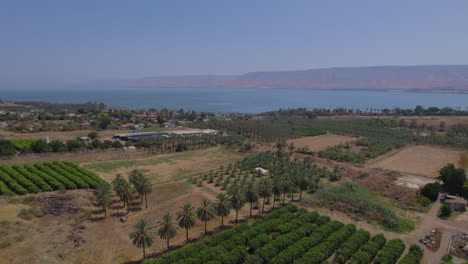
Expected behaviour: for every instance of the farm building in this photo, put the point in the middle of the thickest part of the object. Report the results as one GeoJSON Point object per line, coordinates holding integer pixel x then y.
{"type": "Point", "coordinates": [162, 134]}
{"type": "Point", "coordinates": [457, 203]}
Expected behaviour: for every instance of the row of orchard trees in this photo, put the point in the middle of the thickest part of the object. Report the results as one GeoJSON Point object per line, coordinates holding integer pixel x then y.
{"type": "Point", "coordinates": [183, 143]}
{"type": "Point", "coordinates": [287, 177]}
{"type": "Point", "coordinates": [45, 177]}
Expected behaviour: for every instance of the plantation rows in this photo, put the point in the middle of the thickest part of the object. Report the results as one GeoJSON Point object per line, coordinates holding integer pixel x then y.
{"type": "Point", "coordinates": [22, 143]}
{"type": "Point", "coordinates": [45, 177]}
{"type": "Point", "coordinates": [291, 235]}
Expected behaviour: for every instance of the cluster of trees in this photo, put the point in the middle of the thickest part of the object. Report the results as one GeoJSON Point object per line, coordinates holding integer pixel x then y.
{"type": "Point", "coordinates": [417, 111]}
{"type": "Point", "coordinates": [454, 179]}
{"type": "Point", "coordinates": [45, 177]}
{"type": "Point", "coordinates": [183, 143]}
{"type": "Point", "coordinates": [285, 177]}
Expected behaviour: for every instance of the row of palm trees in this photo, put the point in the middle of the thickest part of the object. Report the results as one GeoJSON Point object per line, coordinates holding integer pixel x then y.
{"type": "Point", "coordinates": [186, 218]}
{"type": "Point", "coordinates": [137, 182]}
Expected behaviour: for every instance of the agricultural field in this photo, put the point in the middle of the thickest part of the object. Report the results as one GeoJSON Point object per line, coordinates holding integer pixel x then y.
{"type": "Point", "coordinates": [22, 143]}
{"type": "Point", "coordinates": [289, 235]}
{"type": "Point", "coordinates": [418, 160]}
{"type": "Point", "coordinates": [107, 239]}
{"type": "Point", "coordinates": [167, 167]}
{"type": "Point", "coordinates": [317, 143]}
{"type": "Point", "coordinates": [45, 177]}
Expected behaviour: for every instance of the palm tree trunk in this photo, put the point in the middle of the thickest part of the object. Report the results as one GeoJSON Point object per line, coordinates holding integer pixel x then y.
{"type": "Point", "coordinates": [144, 252]}
{"type": "Point", "coordinates": [237, 213]}
{"type": "Point", "coordinates": [141, 195]}
{"type": "Point", "coordinates": [292, 196]}
{"type": "Point", "coordinates": [263, 205]}
{"type": "Point", "coordinates": [300, 195]}
{"type": "Point", "coordinates": [274, 200]}
{"type": "Point", "coordinates": [186, 235]}
{"type": "Point", "coordinates": [105, 211]}
{"type": "Point", "coordinates": [128, 207]}
{"type": "Point", "coordinates": [251, 204]}
{"type": "Point", "coordinates": [206, 222]}
{"type": "Point", "coordinates": [146, 200]}
{"type": "Point", "coordinates": [222, 221]}
{"type": "Point", "coordinates": [167, 241]}
{"type": "Point", "coordinates": [284, 197]}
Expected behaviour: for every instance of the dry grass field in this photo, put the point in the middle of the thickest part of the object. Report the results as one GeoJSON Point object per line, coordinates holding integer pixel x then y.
{"type": "Point", "coordinates": [58, 135]}
{"type": "Point", "coordinates": [418, 160]}
{"type": "Point", "coordinates": [52, 239]}
{"type": "Point", "coordinates": [321, 142]}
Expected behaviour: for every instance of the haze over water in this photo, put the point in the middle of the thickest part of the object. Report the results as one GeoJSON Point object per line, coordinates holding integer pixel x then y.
{"type": "Point", "coordinates": [239, 100]}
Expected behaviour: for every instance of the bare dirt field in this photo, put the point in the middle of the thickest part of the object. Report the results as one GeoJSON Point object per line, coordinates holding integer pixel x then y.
{"type": "Point", "coordinates": [315, 143]}
{"type": "Point", "coordinates": [321, 142]}
{"type": "Point", "coordinates": [418, 160]}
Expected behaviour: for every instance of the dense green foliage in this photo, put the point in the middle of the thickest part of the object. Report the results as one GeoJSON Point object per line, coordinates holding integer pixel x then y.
{"type": "Point", "coordinates": [361, 200]}
{"type": "Point", "coordinates": [391, 252]}
{"type": "Point", "coordinates": [45, 177]}
{"type": "Point", "coordinates": [369, 250]}
{"type": "Point", "coordinates": [414, 255]}
{"type": "Point", "coordinates": [286, 235]}
{"type": "Point", "coordinates": [453, 179]}
{"type": "Point", "coordinates": [431, 191]}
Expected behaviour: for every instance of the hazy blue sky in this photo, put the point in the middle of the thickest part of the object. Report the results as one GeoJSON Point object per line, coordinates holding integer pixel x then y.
{"type": "Point", "coordinates": [96, 39]}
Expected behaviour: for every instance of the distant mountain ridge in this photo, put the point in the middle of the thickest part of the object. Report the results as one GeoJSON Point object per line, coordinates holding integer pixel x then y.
{"type": "Point", "coordinates": [408, 78]}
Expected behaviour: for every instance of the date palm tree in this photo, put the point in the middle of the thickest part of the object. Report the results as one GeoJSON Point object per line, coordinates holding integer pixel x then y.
{"type": "Point", "coordinates": [127, 193]}
{"type": "Point", "coordinates": [237, 197]}
{"type": "Point", "coordinates": [143, 235]}
{"type": "Point", "coordinates": [206, 212]}
{"type": "Point", "coordinates": [251, 195]}
{"type": "Point", "coordinates": [103, 196]}
{"type": "Point", "coordinates": [276, 188]}
{"type": "Point", "coordinates": [167, 228]}
{"type": "Point", "coordinates": [264, 190]}
{"type": "Point", "coordinates": [146, 188]}
{"type": "Point", "coordinates": [222, 207]}
{"type": "Point", "coordinates": [117, 184]}
{"type": "Point", "coordinates": [186, 218]}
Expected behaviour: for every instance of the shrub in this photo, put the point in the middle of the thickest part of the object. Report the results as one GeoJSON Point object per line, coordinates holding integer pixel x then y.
{"type": "Point", "coordinates": [423, 201]}
{"type": "Point", "coordinates": [431, 191]}
{"type": "Point", "coordinates": [414, 255]}
{"type": "Point", "coordinates": [391, 252]}
{"type": "Point", "coordinates": [445, 211]}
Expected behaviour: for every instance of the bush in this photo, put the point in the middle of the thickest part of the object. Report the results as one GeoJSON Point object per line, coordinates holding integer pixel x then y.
{"type": "Point", "coordinates": [431, 191]}
{"type": "Point", "coordinates": [414, 255]}
{"type": "Point", "coordinates": [391, 252]}
{"type": "Point", "coordinates": [445, 211]}
{"type": "Point", "coordinates": [423, 201]}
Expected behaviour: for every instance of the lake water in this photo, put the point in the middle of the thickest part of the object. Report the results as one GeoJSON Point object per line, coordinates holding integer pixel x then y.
{"type": "Point", "coordinates": [239, 100]}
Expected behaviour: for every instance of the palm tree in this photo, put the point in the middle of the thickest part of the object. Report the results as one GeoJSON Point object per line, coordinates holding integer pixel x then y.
{"type": "Point", "coordinates": [303, 182]}
{"type": "Point", "coordinates": [276, 188]}
{"type": "Point", "coordinates": [167, 228]}
{"type": "Point", "coordinates": [136, 178]}
{"type": "Point", "coordinates": [206, 212]}
{"type": "Point", "coordinates": [103, 196]}
{"type": "Point", "coordinates": [222, 207]}
{"type": "Point", "coordinates": [127, 193]}
{"type": "Point", "coordinates": [286, 188]}
{"type": "Point", "coordinates": [146, 188]}
{"type": "Point", "coordinates": [237, 198]}
{"type": "Point", "coordinates": [264, 190]}
{"type": "Point", "coordinates": [251, 195]}
{"type": "Point", "coordinates": [186, 218]}
{"type": "Point", "coordinates": [117, 184]}
{"type": "Point", "coordinates": [143, 235]}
